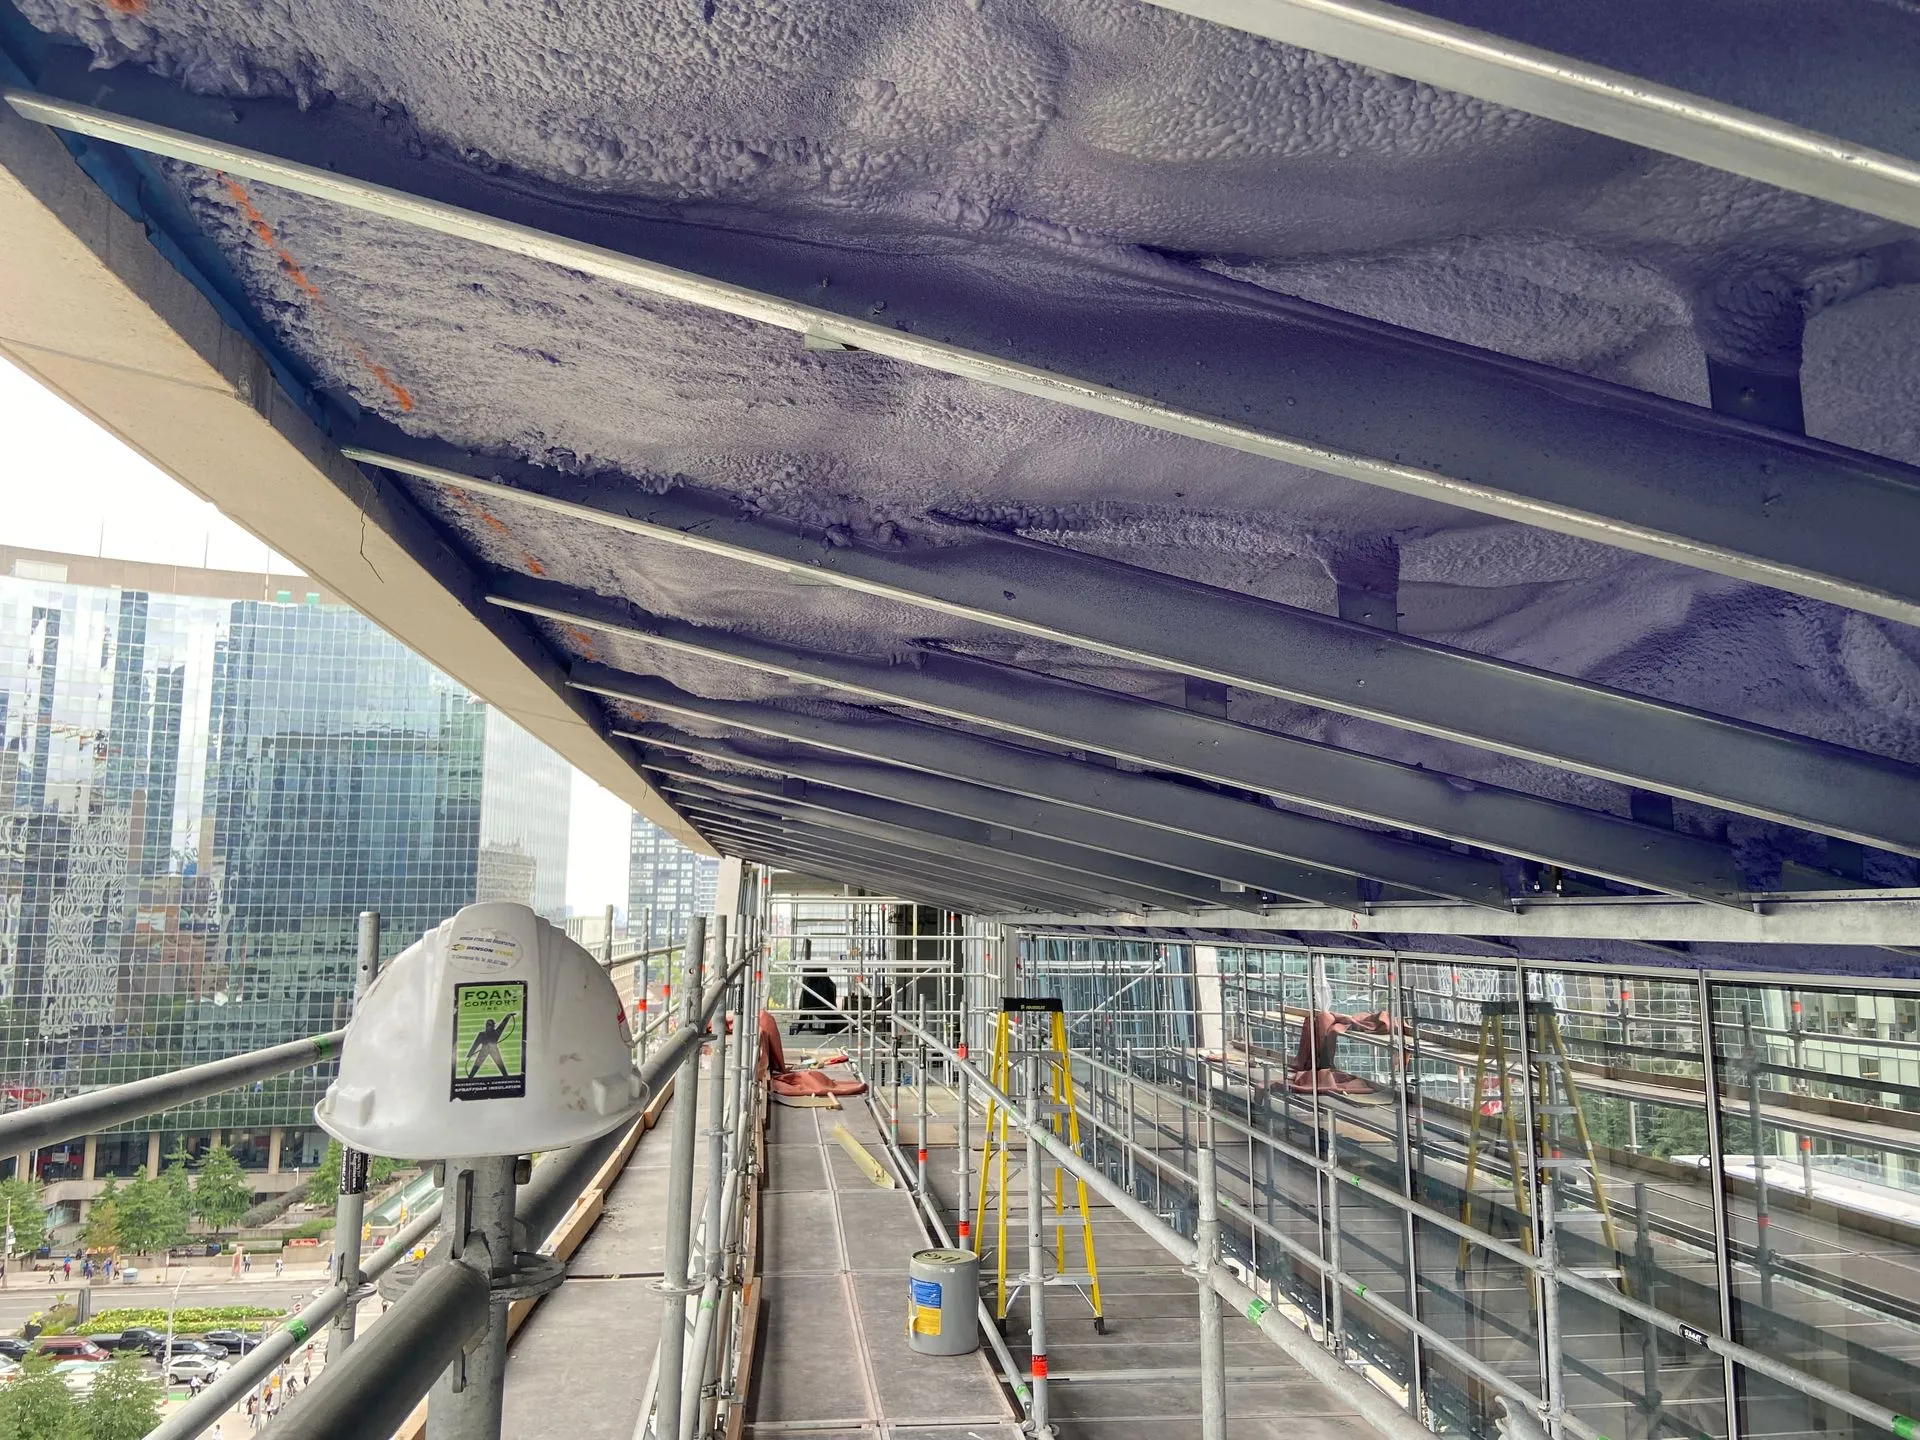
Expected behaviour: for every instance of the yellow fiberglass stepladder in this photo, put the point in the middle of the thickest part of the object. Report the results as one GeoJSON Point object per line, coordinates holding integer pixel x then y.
{"type": "Point", "coordinates": [1554, 1096]}
{"type": "Point", "coordinates": [1030, 1039]}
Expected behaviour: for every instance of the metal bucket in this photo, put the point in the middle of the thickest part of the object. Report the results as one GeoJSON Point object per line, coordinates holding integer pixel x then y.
{"type": "Point", "coordinates": [943, 1302]}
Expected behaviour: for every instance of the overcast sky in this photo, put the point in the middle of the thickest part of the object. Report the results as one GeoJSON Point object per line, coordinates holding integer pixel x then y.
{"type": "Point", "coordinates": [71, 486]}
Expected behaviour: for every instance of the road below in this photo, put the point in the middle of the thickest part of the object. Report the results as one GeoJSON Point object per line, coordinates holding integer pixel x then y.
{"type": "Point", "coordinates": [27, 1294]}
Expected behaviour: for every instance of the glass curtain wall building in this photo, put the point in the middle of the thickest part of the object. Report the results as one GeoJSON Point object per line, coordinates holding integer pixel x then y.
{"type": "Point", "coordinates": [1402, 1142]}
{"type": "Point", "coordinates": [666, 882]}
{"type": "Point", "coordinates": [201, 787]}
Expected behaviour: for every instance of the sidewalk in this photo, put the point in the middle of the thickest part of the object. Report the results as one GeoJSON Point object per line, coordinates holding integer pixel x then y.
{"type": "Point", "coordinates": [194, 1274]}
{"type": "Point", "coordinates": [234, 1422]}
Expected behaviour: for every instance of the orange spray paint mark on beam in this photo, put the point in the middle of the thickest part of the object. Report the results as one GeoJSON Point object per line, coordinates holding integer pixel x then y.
{"type": "Point", "coordinates": [301, 281]}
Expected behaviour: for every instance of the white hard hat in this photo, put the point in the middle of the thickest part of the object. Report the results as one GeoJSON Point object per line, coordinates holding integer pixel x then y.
{"type": "Point", "coordinates": [493, 1034]}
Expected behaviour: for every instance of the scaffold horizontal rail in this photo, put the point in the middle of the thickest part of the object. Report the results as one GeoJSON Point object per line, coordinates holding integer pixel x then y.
{"type": "Point", "coordinates": [94, 1110]}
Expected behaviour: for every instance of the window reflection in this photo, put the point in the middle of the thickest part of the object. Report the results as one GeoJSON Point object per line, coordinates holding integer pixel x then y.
{"type": "Point", "coordinates": [1820, 1138]}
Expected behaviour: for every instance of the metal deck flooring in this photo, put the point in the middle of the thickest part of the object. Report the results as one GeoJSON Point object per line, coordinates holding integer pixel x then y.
{"type": "Point", "coordinates": [579, 1366]}
{"type": "Point", "coordinates": [833, 1362]}
{"type": "Point", "coordinates": [1141, 1380]}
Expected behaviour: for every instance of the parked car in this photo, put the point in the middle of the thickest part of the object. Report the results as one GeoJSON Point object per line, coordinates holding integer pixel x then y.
{"type": "Point", "coordinates": [206, 1247]}
{"type": "Point", "coordinates": [232, 1341]}
{"type": "Point", "coordinates": [195, 1367]}
{"type": "Point", "coordinates": [187, 1345]}
{"type": "Point", "coordinates": [79, 1375]}
{"type": "Point", "coordinates": [13, 1348]}
{"type": "Point", "coordinates": [9, 1370]}
{"type": "Point", "coordinates": [140, 1337]}
{"type": "Point", "coordinates": [69, 1347]}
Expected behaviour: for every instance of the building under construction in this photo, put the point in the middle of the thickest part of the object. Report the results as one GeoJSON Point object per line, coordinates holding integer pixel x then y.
{"type": "Point", "coordinates": [1293, 621]}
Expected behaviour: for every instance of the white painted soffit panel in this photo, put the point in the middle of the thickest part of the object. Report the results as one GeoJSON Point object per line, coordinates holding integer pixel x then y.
{"type": "Point", "coordinates": [94, 312]}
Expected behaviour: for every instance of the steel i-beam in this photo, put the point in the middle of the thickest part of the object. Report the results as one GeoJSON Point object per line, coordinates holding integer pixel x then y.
{"type": "Point", "coordinates": [1282, 834]}
{"type": "Point", "coordinates": [1165, 623]}
{"type": "Point", "coordinates": [928, 802]}
{"type": "Point", "coordinates": [1064, 712]}
{"type": "Point", "coordinates": [700, 799]}
{"type": "Point", "coordinates": [1362, 400]}
{"type": "Point", "coordinates": [714, 818]}
{"type": "Point", "coordinates": [1410, 41]}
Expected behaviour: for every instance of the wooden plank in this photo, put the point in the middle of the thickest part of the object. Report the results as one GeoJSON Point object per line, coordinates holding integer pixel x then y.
{"type": "Point", "coordinates": [870, 1167]}
{"type": "Point", "coordinates": [749, 1344]}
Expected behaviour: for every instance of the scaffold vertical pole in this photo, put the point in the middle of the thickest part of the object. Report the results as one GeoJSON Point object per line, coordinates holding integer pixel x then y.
{"type": "Point", "coordinates": [1213, 1354]}
{"type": "Point", "coordinates": [920, 1083]}
{"type": "Point", "coordinates": [465, 1402]}
{"type": "Point", "coordinates": [349, 1210]}
{"type": "Point", "coordinates": [1336, 1298]}
{"type": "Point", "coordinates": [673, 1281]}
{"type": "Point", "coordinates": [1036, 1254]}
{"type": "Point", "coordinates": [1550, 1299]}
{"type": "Point", "coordinates": [963, 1139]}
{"type": "Point", "coordinates": [717, 1136]}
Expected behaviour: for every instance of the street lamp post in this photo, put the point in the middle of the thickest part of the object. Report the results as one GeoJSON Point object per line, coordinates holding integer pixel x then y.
{"type": "Point", "coordinates": [166, 1363]}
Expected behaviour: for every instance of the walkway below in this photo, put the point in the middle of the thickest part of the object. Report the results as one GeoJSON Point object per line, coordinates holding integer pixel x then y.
{"type": "Point", "coordinates": [832, 1360]}
{"type": "Point", "coordinates": [834, 1363]}
{"type": "Point", "coordinates": [1141, 1379]}
{"type": "Point", "coordinates": [578, 1369]}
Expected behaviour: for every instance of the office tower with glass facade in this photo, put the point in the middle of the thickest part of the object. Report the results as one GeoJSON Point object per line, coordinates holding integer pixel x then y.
{"type": "Point", "coordinates": [204, 778]}
{"type": "Point", "coordinates": [667, 880]}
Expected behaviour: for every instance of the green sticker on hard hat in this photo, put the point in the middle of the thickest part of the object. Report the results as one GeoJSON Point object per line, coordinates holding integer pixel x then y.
{"type": "Point", "coordinates": [490, 1040]}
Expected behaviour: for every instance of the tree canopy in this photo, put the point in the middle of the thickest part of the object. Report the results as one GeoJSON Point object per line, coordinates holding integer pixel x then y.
{"type": "Point", "coordinates": [102, 1230]}
{"type": "Point", "coordinates": [24, 1206]}
{"type": "Point", "coordinates": [175, 1178]}
{"type": "Point", "coordinates": [324, 1184]}
{"type": "Point", "coordinates": [149, 1216]}
{"type": "Point", "coordinates": [223, 1193]}
{"type": "Point", "coordinates": [38, 1406]}
{"type": "Point", "coordinates": [123, 1404]}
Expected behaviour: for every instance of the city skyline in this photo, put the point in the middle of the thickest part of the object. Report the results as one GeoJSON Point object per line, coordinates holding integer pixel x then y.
{"type": "Point", "coordinates": [199, 792]}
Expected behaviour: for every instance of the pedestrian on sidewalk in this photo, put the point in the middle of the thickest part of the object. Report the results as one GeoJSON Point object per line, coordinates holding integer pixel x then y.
{"type": "Point", "coordinates": [246, 1263]}
{"type": "Point", "coordinates": [279, 1266]}
{"type": "Point", "coordinates": [306, 1375]}
{"type": "Point", "coordinates": [67, 1268]}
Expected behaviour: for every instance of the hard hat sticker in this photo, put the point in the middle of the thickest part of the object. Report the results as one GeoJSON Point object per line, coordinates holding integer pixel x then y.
{"type": "Point", "coordinates": [484, 952]}
{"type": "Point", "coordinates": [490, 1040]}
